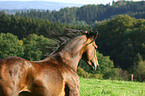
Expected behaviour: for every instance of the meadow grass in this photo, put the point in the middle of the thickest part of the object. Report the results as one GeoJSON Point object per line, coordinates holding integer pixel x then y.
{"type": "Point", "coordinates": [96, 87]}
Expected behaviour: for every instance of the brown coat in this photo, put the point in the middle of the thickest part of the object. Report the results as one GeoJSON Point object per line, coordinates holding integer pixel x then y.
{"type": "Point", "coordinates": [53, 76]}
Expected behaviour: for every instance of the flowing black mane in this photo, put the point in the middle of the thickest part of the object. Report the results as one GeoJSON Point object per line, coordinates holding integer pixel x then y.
{"type": "Point", "coordinates": [63, 38]}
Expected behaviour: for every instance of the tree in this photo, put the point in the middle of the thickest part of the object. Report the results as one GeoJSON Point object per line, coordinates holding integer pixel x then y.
{"type": "Point", "coordinates": [139, 73]}
{"type": "Point", "coordinates": [122, 38]}
{"type": "Point", "coordinates": [10, 45]}
{"type": "Point", "coordinates": [4, 23]}
{"type": "Point", "coordinates": [37, 47]}
{"type": "Point", "coordinates": [105, 63]}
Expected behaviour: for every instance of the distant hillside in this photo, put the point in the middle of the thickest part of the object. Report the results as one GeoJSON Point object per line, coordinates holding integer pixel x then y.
{"type": "Point", "coordinates": [90, 14]}
{"type": "Point", "coordinates": [11, 5]}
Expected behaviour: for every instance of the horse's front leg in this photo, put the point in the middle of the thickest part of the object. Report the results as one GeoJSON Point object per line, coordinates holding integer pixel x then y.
{"type": "Point", "coordinates": [74, 91]}
{"type": "Point", "coordinates": [73, 87]}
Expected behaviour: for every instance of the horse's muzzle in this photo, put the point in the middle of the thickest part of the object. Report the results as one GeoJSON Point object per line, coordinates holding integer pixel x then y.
{"type": "Point", "coordinates": [94, 65]}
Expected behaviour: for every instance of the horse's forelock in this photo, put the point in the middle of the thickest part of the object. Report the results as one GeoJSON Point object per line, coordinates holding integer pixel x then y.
{"type": "Point", "coordinates": [92, 35]}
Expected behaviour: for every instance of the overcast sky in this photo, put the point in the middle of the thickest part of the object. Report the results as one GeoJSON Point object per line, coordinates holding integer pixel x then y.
{"type": "Point", "coordinates": [77, 1]}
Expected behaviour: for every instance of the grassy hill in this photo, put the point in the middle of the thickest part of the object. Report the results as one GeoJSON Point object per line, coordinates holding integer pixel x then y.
{"type": "Point", "coordinates": [95, 87]}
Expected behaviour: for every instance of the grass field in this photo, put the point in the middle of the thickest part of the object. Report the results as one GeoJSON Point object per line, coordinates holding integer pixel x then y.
{"type": "Point", "coordinates": [95, 87]}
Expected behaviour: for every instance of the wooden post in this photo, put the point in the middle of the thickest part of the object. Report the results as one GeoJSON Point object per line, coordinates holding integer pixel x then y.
{"type": "Point", "coordinates": [131, 77]}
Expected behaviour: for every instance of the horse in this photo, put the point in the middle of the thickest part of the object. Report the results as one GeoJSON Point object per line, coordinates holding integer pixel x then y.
{"type": "Point", "coordinates": [55, 75]}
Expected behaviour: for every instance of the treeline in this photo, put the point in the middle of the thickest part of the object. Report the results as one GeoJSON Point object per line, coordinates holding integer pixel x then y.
{"type": "Point", "coordinates": [23, 26]}
{"type": "Point", "coordinates": [89, 14]}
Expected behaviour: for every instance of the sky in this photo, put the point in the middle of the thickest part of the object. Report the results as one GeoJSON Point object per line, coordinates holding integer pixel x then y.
{"type": "Point", "coordinates": [77, 1]}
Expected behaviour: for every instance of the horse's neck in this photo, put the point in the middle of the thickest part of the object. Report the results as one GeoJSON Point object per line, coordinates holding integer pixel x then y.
{"type": "Point", "coordinates": [70, 60]}
{"type": "Point", "coordinates": [72, 53]}
{"type": "Point", "coordinates": [63, 58]}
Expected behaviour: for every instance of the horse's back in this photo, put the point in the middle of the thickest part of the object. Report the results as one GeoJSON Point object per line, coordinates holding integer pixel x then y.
{"type": "Point", "coordinates": [13, 72]}
{"type": "Point", "coordinates": [9, 61]}
{"type": "Point", "coordinates": [13, 66]}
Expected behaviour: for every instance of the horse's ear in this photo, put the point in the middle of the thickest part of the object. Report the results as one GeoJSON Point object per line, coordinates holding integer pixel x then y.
{"type": "Point", "coordinates": [92, 35]}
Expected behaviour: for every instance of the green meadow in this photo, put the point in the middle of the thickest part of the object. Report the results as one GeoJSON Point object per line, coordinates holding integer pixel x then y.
{"type": "Point", "coordinates": [96, 87]}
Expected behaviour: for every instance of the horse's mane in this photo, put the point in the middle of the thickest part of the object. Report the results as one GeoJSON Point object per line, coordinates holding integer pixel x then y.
{"type": "Point", "coordinates": [64, 38]}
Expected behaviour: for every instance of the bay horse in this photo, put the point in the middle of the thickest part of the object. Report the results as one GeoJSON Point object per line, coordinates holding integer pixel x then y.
{"type": "Point", "coordinates": [56, 75]}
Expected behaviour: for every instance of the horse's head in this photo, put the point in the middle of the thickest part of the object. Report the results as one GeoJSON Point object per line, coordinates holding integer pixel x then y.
{"type": "Point", "coordinates": [89, 54]}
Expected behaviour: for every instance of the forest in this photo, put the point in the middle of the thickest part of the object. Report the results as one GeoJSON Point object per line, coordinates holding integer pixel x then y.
{"type": "Point", "coordinates": [121, 42]}
{"type": "Point", "coordinates": [89, 14]}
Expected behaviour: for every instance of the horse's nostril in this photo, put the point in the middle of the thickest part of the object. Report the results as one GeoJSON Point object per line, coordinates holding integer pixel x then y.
{"type": "Point", "coordinates": [94, 65]}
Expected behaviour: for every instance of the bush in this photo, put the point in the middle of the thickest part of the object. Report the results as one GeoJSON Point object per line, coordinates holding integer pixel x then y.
{"type": "Point", "coordinates": [139, 73]}
{"type": "Point", "coordinates": [116, 74]}
{"type": "Point", "coordinates": [81, 72]}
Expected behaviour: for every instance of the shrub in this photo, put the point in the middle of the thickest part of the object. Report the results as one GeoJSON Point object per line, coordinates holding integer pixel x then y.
{"type": "Point", "coordinates": [81, 72]}
{"type": "Point", "coordinates": [116, 74]}
{"type": "Point", "coordinates": [139, 73]}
